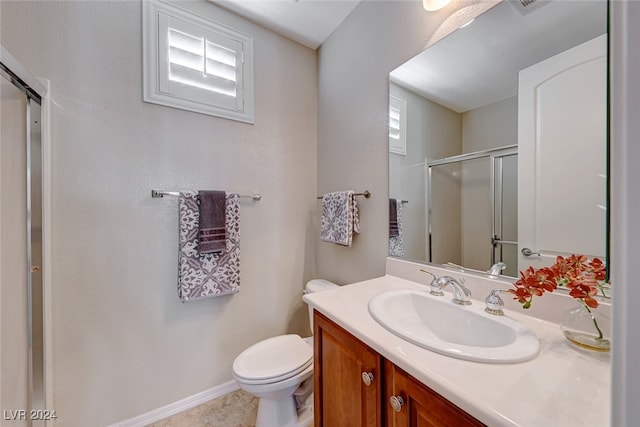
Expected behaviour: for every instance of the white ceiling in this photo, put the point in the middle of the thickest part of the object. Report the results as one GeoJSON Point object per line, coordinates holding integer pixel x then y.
{"type": "Point", "coordinates": [309, 22]}
{"type": "Point", "coordinates": [478, 64]}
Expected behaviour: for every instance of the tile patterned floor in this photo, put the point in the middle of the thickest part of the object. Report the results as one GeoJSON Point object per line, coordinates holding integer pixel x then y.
{"type": "Point", "coordinates": [236, 409]}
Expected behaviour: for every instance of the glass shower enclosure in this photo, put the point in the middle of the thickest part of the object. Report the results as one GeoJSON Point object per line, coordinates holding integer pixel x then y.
{"type": "Point", "coordinates": [472, 204]}
{"type": "Point", "coordinates": [21, 251]}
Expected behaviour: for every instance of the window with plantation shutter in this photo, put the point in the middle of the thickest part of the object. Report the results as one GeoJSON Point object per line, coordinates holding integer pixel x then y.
{"type": "Point", "coordinates": [197, 65]}
{"type": "Point", "coordinates": [397, 125]}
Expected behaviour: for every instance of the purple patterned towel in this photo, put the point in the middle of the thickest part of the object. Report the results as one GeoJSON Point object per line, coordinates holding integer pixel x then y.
{"type": "Point", "coordinates": [212, 233]}
{"type": "Point", "coordinates": [340, 217]}
{"type": "Point", "coordinates": [207, 275]}
{"type": "Point", "coordinates": [393, 218]}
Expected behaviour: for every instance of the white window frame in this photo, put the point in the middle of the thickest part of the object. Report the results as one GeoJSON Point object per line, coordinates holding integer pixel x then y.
{"type": "Point", "coordinates": [158, 89]}
{"type": "Point", "coordinates": [398, 145]}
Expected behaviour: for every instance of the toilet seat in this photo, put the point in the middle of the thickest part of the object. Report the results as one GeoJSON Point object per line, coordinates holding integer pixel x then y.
{"type": "Point", "coordinates": [272, 360]}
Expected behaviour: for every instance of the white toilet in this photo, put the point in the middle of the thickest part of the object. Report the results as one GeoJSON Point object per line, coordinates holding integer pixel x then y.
{"type": "Point", "coordinates": [273, 369]}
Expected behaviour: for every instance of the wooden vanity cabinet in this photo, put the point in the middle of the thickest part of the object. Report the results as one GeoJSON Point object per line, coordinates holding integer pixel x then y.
{"type": "Point", "coordinates": [353, 386]}
{"type": "Point", "coordinates": [347, 378]}
{"type": "Point", "coordinates": [416, 405]}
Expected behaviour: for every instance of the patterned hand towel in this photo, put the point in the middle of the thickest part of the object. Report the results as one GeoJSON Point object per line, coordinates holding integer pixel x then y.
{"type": "Point", "coordinates": [340, 217]}
{"type": "Point", "coordinates": [396, 243]}
{"type": "Point", "coordinates": [207, 275]}
{"type": "Point", "coordinates": [212, 235]}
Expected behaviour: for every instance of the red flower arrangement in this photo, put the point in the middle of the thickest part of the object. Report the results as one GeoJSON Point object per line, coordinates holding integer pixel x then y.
{"type": "Point", "coordinates": [583, 277]}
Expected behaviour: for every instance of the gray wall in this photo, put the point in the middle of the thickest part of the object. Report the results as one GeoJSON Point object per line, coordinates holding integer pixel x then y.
{"type": "Point", "coordinates": [433, 132]}
{"type": "Point", "coordinates": [353, 101]}
{"type": "Point", "coordinates": [490, 126]}
{"type": "Point", "coordinates": [123, 343]}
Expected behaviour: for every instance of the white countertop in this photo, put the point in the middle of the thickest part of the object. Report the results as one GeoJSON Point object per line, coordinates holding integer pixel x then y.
{"type": "Point", "coordinates": [564, 386]}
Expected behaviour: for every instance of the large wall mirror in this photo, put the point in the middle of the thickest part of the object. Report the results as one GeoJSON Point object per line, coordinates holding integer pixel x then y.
{"type": "Point", "coordinates": [498, 140]}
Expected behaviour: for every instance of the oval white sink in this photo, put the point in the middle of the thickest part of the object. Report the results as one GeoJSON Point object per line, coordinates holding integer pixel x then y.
{"type": "Point", "coordinates": [464, 332]}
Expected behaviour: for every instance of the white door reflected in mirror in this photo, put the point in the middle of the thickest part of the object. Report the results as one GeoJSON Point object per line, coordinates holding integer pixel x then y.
{"type": "Point", "coordinates": [562, 137]}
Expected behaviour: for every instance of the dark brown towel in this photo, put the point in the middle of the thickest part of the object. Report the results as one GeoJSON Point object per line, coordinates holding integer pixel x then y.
{"type": "Point", "coordinates": [393, 218]}
{"type": "Point", "coordinates": [212, 235]}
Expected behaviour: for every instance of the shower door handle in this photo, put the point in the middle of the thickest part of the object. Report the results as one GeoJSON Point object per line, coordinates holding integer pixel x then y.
{"type": "Point", "coordinates": [495, 241]}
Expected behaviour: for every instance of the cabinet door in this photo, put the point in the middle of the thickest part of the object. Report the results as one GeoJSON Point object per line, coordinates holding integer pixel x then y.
{"type": "Point", "coordinates": [342, 397]}
{"type": "Point", "coordinates": [421, 406]}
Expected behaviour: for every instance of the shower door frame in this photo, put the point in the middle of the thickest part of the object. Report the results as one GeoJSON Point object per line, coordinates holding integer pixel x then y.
{"type": "Point", "coordinates": [495, 156]}
{"type": "Point", "coordinates": [37, 91]}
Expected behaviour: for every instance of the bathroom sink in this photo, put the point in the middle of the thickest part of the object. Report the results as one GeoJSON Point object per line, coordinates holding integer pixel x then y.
{"type": "Point", "coordinates": [463, 332]}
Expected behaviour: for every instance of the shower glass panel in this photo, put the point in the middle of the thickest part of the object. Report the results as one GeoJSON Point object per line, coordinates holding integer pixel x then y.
{"type": "Point", "coordinates": [445, 233]}
{"type": "Point", "coordinates": [21, 261]}
{"type": "Point", "coordinates": [14, 321]}
{"type": "Point", "coordinates": [476, 213]}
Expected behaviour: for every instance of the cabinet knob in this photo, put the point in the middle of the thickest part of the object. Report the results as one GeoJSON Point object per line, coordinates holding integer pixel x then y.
{"type": "Point", "coordinates": [396, 403]}
{"type": "Point", "coordinates": [367, 378]}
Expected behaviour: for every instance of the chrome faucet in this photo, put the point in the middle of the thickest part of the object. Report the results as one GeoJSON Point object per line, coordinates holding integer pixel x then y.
{"type": "Point", "coordinates": [496, 269]}
{"type": "Point", "coordinates": [461, 295]}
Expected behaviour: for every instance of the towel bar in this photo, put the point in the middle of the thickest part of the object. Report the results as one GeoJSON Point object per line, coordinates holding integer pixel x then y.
{"type": "Point", "coordinates": [158, 194]}
{"type": "Point", "coordinates": [365, 193]}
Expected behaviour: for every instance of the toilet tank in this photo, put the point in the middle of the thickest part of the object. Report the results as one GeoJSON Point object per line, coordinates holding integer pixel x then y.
{"type": "Point", "coordinates": [317, 285]}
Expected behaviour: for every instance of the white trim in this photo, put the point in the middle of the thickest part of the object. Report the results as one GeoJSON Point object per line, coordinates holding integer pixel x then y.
{"type": "Point", "coordinates": [1, 255]}
{"type": "Point", "coordinates": [399, 146]}
{"type": "Point", "coordinates": [625, 208]}
{"type": "Point", "coordinates": [151, 65]}
{"type": "Point", "coordinates": [179, 406]}
{"type": "Point", "coordinates": [47, 281]}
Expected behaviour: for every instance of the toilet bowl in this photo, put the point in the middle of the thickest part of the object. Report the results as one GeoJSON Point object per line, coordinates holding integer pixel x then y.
{"type": "Point", "coordinates": [274, 368]}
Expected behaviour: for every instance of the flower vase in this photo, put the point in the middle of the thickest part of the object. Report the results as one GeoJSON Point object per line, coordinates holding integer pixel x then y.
{"type": "Point", "coordinates": [587, 328]}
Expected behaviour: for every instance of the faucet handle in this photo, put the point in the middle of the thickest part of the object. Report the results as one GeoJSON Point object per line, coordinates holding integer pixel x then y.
{"type": "Point", "coordinates": [494, 302]}
{"type": "Point", "coordinates": [435, 276]}
{"type": "Point", "coordinates": [437, 283]}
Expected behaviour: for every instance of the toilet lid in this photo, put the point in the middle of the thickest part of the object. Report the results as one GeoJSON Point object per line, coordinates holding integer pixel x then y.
{"type": "Point", "coordinates": [273, 359]}
{"type": "Point", "coordinates": [282, 378]}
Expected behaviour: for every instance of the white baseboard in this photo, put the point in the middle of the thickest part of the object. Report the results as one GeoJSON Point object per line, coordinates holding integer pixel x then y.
{"type": "Point", "coordinates": [179, 406]}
